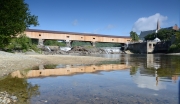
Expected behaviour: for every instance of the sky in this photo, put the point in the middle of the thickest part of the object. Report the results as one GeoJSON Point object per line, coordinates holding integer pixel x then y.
{"type": "Point", "coordinates": [108, 17]}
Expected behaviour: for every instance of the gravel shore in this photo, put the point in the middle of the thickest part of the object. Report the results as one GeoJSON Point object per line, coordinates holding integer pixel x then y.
{"type": "Point", "coordinates": [10, 62]}
{"type": "Point", "coordinates": [5, 98]}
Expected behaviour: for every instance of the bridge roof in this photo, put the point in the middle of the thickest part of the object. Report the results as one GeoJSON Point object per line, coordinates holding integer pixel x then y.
{"type": "Point", "coordinates": [74, 33]}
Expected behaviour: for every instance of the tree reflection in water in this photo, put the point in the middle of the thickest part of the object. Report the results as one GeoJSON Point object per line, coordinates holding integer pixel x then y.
{"type": "Point", "coordinates": [133, 70]}
{"type": "Point", "coordinates": [19, 87]}
{"type": "Point", "coordinates": [168, 66]}
{"type": "Point", "coordinates": [151, 71]}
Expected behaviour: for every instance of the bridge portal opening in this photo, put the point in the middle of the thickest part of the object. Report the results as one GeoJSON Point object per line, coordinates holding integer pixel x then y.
{"type": "Point", "coordinates": [107, 44]}
{"type": "Point", "coordinates": [49, 42]}
{"type": "Point", "coordinates": [35, 41]}
{"type": "Point", "coordinates": [96, 44]}
{"type": "Point", "coordinates": [80, 43]}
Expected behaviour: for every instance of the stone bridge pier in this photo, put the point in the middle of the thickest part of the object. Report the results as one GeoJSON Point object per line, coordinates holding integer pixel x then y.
{"type": "Point", "coordinates": [93, 43]}
{"type": "Point", "coordinates": [124, 46]}
{"type": "Point", "coordinates": [68, 43]}
{"type": "Point", "coordinates": [41, 42]}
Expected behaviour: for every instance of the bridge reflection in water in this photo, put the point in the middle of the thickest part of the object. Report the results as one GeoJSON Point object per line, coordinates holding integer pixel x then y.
{"type": "Point", "coordinates": [69, 70]}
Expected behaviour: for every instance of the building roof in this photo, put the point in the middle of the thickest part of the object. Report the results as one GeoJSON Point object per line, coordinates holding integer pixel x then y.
{"type": "Point", "coordinates": [74, 33]}
{"type": "Point", "coordinates": [168, 28]}
{"type": "Point", "coordinates": [145, 33]}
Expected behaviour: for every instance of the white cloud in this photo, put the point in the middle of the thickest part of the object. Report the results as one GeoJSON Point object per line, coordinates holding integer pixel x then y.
{"type": "Point", "coordinates": [148, 23]}
{"type": "Point", "coordinates": [75, 22]}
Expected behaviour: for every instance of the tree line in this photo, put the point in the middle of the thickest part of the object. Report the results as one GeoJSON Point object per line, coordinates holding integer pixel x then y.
{"type": "Point", "coordinates": [163, 35]}
{"type": "Point", "coordinates": [80, 43]}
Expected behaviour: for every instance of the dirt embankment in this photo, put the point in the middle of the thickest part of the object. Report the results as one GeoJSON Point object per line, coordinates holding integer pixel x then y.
{"type": "Point", "coordinates": [10, 62]}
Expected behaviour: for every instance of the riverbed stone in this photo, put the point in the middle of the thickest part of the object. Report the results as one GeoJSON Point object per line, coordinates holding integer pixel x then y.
{"type": "Point", "coordinates": [6, 98]}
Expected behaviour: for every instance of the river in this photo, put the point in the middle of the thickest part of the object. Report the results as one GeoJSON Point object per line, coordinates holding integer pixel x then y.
{"type": "Point", "coordinates": [133, 79]}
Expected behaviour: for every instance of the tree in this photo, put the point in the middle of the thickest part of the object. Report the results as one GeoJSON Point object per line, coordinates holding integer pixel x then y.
{"type": "Point", "coordinates": [15, 17]}
{"type": "Point", "coordinates": [22, 42]}
{"type": "Point", "coordinates": [163, 34]}
{"type": "Point", "coordinates": [175, 47]}
{"type": "Point", "coordinates": [54, 43]}
{"type": "Point", "coordinates": [19, 87]}
{"type": "Point", "coordinates": [167, 35]}
{"type": "Point", "coordinates": [134, 36]}
{"type": "Point", "coordinates": [177, 33]}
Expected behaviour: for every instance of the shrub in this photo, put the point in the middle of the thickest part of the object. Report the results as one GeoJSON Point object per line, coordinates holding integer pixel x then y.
{"type": "Point", "coordinates": [174, 48]}
{"type": "Point", "coordinates": [22, 43]}
{"type": "Point", "coordinates": [54, 43]}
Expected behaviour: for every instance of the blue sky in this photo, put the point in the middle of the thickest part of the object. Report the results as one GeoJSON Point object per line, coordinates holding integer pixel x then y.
{"type": "Point", "coordinates": [109, 17]}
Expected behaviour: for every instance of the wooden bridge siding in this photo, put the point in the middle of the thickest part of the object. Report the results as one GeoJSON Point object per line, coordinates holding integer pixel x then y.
{"type": "Point", "coordinates": [58, 36]}
{"type": "Point", "coordinates": [69, 71]}
{"type": "Point", "coordinates": [55, 36]}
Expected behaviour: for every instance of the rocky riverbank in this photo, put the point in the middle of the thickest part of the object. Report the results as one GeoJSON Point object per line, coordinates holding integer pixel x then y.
{"type": "Point", "coordinates": [6, 98]}
{"type": "Point", "coordinates": [80, 50]}
{"type": "Point", "coordinates": [10, 62]}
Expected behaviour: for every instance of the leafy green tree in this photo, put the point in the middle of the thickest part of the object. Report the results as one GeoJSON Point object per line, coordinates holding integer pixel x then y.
{"type": "Point", "coordinates": [54, 43]}
{"type": "Point", "coordinates": [175, 47]}
{"type": "Point", "coordinates": [97, 44]}
{"type": "Point", "coordinates": [22, 42]}
{"type": "Point", "coordinates": [150, 36]}
{"type": "Point", "coordinates": [108, 44]}
{"type": "Point", "coordinates": [177, 33]}
{"type": "Point", "coordinates": [163, 34]}
{"type": "Point", "coordinates": [15, 17]}
{"type": "Point", "coordinates": [80, 43]}
{"type": "Point", "coordinates": [134, 36]}
{"type": "Point", "coordinates": [167, 34]}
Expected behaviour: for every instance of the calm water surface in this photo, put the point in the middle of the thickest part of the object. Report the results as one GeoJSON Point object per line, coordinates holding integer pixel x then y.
{"type": "Point", "coordinates": [133, 79]}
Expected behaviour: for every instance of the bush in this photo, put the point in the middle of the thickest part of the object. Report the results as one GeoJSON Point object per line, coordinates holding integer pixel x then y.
{"type": "Point", "coordinates": [174, 48]}
{"type": "Point", "coordinates": [22, 43]}
{"type": "Point", "coordinates": [80, 43]}
{"type": "Point", "coordinates": [97, 44]}
{"type": "Point", "coordinates": [108, 44]}
{"type": "Point", "coordinates": [54, 43]}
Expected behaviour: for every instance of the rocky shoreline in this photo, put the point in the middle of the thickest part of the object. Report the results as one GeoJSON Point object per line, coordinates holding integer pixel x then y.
{"type": "Point", "coordinates": [6, 98]}
{"type": "Point", "coordinates": [79, 50]}
{"type": "Point", "coordinates": [10, 62]}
